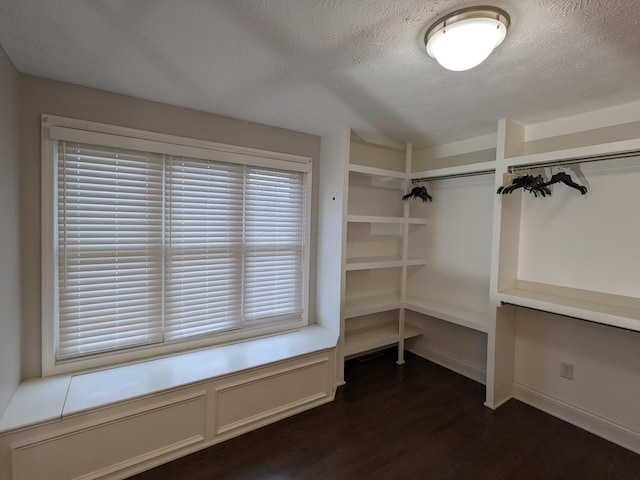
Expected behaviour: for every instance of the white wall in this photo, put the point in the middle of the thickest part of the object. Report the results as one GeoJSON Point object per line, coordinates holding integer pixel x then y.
{"type": "Point", "coordinates": [9, 233]}
{"type": "Point", "coordinates": [606, 375]}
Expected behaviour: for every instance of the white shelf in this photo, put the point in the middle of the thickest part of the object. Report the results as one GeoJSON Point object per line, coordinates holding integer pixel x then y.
{"type": "Point", "coordinates": [378, 172]}
{"type": "Point", "coordinates": [591, 151]}
{"type": "Point", "coordinates": [416, 262]}
{"type": "Point", "coordinates": [355, 307]}
{"type": "Point", "coordinates": [608, 309]}
{"type": "Point", "coordinates": [411, 331]}
{"type": "Point", "coordinates": [373, 219]}
{"type": "Point", "coordinates": [457, 170]}
{"type": "Point", "coordinates": [366, 339]}
{"type": "Point", "coordinates": [368, 263]}
{"type": "Point", "coordinates": [450, 313]}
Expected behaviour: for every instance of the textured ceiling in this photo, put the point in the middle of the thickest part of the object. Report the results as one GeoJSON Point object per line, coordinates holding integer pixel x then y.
{"type": "Point", "coordinates": [314, 65]}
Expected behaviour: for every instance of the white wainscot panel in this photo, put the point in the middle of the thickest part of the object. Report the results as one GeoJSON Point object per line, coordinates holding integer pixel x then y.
{"type": "Point", "coordinates": [101, 448]}
{"type": "Point", "coordinates": [265, 396]}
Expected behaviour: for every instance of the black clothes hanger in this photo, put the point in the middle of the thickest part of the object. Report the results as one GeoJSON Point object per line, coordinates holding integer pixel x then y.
{"type": "Point", "coordinates": [538, 186]}
{"type": "Point", "coordinates": [418, 192]}
{"type": "Point", "coordinates": [521, 181]}
{"type": "Point", "coordinates": [535, 185]}
{"type": "Point", "coordinates": [514, 182]}
{"type": "Point", "coordinates": [563, 177]}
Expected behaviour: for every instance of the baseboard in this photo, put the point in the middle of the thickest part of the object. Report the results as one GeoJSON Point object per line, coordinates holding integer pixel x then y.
{"type": "Point", "coordinates": [574, 415]}
{"type": "Point", "coordinates": [456, 364]}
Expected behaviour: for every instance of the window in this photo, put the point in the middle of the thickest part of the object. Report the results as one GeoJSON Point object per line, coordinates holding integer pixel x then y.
{"type": "Point", "coordinates": [153, 248]}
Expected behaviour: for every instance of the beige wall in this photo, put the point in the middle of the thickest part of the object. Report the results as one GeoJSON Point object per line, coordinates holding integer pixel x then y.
{"type": "Point", "coordinates": [9, 239]}
{"type": "Point", "coordinates": [38, 96]}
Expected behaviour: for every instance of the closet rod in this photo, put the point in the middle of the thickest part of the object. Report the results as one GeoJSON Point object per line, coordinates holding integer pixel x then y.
{"type": "Point", "coordinates": [454, 175]}
{"type": "Point", "coordinates": [573, 161]}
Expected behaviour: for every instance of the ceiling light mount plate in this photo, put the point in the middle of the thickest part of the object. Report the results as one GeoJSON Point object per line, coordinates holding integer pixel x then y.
{"type": "Point", "coordinates": [464, 38]}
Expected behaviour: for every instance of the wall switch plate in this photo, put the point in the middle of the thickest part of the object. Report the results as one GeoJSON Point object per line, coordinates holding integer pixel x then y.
{"type": "Point", "coordinates": [566, 370]}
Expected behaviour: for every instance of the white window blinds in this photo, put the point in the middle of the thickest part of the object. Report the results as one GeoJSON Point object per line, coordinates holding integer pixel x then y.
{"type": "Point", "coordinates": [205, 234]}
{"type": "Point", "coordinates": [273, 251]}
{"type": "Point", "coordinates": [156, 248]}
{"type": "Point", "coordinates": [109, 249]}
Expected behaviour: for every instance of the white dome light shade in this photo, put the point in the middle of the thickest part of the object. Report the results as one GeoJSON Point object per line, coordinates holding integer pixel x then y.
{"type": "Point", "coordinates": [464, 39]}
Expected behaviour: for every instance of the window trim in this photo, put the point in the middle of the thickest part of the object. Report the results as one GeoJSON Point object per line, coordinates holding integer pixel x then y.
{"type": "Point", "coordinates": [55, 128]}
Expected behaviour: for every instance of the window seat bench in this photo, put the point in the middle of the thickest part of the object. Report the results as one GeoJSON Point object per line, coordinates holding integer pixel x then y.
{"type": "Point", "coordinates": [162, 408]}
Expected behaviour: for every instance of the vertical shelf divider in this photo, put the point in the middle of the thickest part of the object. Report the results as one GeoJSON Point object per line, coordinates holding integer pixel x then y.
{"type": "Point", "coordinates": [504, 264]}
{"type": "Point", "coordinates": [405, 256]}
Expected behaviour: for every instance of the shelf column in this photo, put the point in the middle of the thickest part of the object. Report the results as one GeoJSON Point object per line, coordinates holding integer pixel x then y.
{"type": "Point", "coordinates": [405, 257]}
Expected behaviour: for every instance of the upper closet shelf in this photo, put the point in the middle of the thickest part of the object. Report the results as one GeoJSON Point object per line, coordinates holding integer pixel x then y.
{"type": "Point", "coordinates": [450, 313]}
{"type": "Point", "coordinates": [378, 172]}
{"type": "Point", "coordinates": [608, 309]}
{"type": "Point", "coordinates": [457, 171]}
{"type": "Point", "coordinates": [613, 149]}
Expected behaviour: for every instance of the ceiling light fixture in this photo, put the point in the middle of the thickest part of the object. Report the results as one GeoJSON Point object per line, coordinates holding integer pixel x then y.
{"type": "Point", "coordinates": [465, 38]}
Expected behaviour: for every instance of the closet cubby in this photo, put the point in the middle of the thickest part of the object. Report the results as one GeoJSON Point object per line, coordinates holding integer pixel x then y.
{"type": "Point", "coordinates": [574, 254]}
{"type": "Point", "coordinates": [372, 290]}
{"type": "Point", "coordinates": [369, 332]}
{"type": "Point", "coordinates": [374, 194]}
{"type": "Point", "coordinates": [370, 242]}
{"type": "Point", "coordinates": [368, 157]}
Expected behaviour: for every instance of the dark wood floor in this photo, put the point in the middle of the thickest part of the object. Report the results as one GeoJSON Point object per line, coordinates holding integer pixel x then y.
{"type": "Point", "coordinates": [416, 421]}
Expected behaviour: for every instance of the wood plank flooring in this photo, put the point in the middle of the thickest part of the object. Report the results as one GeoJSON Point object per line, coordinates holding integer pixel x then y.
{"type": "Point", "coordinates": [416, 421]}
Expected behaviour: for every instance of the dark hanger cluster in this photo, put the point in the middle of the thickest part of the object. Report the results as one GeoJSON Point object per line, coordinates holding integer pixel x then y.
{"type": "Point", "coordinates": [537, 185]}
{"type": "Point", "coordinates": [418, 192]}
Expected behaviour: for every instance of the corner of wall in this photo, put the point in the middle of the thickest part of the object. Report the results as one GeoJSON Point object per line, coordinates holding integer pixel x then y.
{"type": "Point", "coordinates": [10, 314]}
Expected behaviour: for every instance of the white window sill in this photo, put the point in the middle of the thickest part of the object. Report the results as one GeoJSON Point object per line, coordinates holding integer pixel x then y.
{"type": "Point", "coordinates": [43, 400]}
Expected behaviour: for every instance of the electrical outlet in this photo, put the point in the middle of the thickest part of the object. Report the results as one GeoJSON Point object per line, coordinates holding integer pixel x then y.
{"type": "Point", "coordinates": [566, 370]}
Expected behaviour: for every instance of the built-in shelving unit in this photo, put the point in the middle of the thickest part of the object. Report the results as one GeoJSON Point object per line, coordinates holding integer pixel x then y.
{"type": "Point", "coordinates": [500, 280]}
{"type": "Point", "coordinates": [568, 254]}
{"type": "Point", "coordinates": [390, 260]}
{"type": "Point", "coordinates": [376, 260]}
{"type": "Point", "coordinates": [588, 268]}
